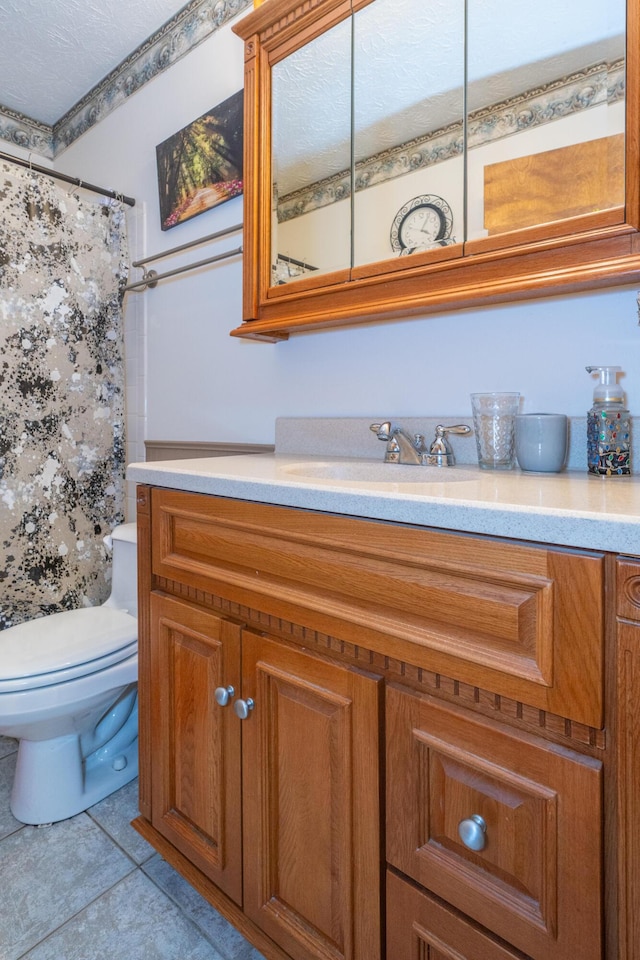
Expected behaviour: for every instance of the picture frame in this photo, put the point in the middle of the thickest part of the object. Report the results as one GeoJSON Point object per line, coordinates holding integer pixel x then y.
{"type": "Point", "coordinates": [201, 166]}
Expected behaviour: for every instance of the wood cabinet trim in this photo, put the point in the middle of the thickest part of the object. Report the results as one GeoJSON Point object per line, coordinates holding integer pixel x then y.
{"type": "Point", "coordinates": [628, 802]}
{"type": "Point", "coordinates": [143, 507]}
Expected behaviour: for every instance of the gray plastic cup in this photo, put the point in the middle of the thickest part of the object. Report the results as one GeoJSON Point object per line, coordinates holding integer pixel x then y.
{"type": "Point", "coordinates": [541, 442]}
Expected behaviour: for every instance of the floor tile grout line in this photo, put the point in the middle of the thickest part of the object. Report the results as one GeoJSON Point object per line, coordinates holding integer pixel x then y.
{"type": "Point", "coordinates": [134, 867]}
{"type": "Point", "coordinates": [117, 843]}
{"type": "Point", "coordinates": [137, 869]}
{"type": "Point", "coordinates": [201, 931]}
{"type": "Point", "coordinates": [77, 913]}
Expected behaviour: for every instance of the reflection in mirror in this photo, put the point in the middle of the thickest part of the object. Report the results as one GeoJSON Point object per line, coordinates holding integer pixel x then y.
{"type": "Point", "coordinates": [546, 113]}
{"type": "Point", "coordinates": [311, 150]}
{"type": "Point", "coordinates": [408, 105]}
{"type": "Point", "coordinates": [542, 141]}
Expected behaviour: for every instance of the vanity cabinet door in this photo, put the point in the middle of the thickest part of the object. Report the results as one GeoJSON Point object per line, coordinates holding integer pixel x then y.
{"type": "Point", "coordinates": [502, 825]}
{"type": "Point", "coordinates": [311, 802]}
{"type": "Point", "coordinates": [196, 792]}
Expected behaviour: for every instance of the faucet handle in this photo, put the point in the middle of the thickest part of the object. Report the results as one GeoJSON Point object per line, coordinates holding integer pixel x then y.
{"type": "Point", "coordinates": [441, 447]}
{"type": "Point", "coordinates": [381, 430]}
{"type": "Point", "coordinates": [462, 428]}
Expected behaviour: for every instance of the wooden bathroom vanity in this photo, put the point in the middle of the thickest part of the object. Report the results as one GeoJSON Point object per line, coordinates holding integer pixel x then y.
{"type": "Point", "coordinates": [366, 739]}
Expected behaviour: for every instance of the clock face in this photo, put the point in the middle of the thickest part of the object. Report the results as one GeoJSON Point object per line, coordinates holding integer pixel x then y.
{"type": "Point", "coordinates": [422, 223]}
{"type": "Point", "coordinates": [421, 227]}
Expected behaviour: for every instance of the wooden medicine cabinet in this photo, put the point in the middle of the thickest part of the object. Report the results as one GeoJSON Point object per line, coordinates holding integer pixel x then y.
{"type": "Point", "coordinates": [404, 157]}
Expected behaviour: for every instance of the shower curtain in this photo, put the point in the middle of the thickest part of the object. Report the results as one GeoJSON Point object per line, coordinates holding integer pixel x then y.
{"type": "Point", "coordinates": [63, 268]}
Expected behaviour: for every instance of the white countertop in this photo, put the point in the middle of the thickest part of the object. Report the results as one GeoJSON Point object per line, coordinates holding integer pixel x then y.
{"type": "Point", "coordinates": [569, 509]}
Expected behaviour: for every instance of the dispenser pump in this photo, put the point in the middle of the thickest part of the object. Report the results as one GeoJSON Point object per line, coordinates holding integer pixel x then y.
{"type": "Point", "coordinates": [607, 390]}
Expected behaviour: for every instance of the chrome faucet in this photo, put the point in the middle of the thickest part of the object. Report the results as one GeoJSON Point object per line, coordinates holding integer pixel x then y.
{"type": "Point", "coordinates": [401, 448]}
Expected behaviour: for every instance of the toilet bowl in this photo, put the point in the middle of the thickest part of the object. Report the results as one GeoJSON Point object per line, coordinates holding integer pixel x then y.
{"type": "Point", "coordinates": [68, 694]}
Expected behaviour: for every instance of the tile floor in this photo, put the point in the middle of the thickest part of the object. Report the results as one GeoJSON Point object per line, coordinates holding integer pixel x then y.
{"type": "Point", "coordinates": [90, 888]}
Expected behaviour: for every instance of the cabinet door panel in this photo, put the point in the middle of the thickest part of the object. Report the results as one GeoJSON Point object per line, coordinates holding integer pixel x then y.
{"type": "Point", "coordinates": [311, 805]}
{"type": "Point", "coordinates": [535, 878]}
{"type": "Point", "coordinates": [196, 742]}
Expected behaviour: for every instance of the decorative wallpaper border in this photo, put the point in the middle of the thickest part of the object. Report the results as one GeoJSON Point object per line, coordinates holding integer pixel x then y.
{"type": "Point", "coordinates": [602, 83]}
{"type": "Point", "coordinates": [193, 24]}
{"type": "Point", "coordinates": [21, 131]}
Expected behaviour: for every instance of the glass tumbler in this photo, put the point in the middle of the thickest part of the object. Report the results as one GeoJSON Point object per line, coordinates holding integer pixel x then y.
{"type": "Point", "coordinates": [494, 417]}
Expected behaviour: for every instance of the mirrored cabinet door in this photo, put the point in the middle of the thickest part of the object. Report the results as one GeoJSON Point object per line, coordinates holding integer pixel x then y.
{"type": "Point", "coordinates": [311, 158]}
{"type": "Point", "coordinates": [408, 95]}
{"type": "Point", "coordinates": [405, 157]}
{"type": "Point", "coordinates": [546, 113]}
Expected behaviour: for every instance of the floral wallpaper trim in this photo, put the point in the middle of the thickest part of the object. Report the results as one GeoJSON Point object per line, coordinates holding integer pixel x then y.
{"type": "Point", "coordinates": [23, 132]}
{"type": "Point", "coordinates": [63, 269]}
{"type": "Point", "coordinates": [599, 84]}
{"type": "Point", "coordinates": [193, 24]}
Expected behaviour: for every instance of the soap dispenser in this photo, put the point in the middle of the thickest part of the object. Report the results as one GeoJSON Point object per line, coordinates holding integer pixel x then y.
{"type": "Point", "coordinates": [608, 427]}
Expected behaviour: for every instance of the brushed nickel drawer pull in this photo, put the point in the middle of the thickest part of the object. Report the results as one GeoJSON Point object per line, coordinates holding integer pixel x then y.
{"type": "Point", "coordinates": [243, 708]}
{"type": "Point", "coordinates": [223, 695]}
{"type": "Point", "coordinates": [473, 831]}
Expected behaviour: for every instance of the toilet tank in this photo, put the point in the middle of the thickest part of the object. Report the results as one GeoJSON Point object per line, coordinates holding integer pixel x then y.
{"type": "Point", "coordinates": [124, 577]}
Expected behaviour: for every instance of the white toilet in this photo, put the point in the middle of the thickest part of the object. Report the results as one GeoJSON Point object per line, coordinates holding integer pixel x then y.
{"type": "Point", "coordinates": [68, 693]}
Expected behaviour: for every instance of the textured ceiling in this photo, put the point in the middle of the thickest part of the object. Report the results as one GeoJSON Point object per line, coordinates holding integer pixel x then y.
{"type": "Point", "coordinates": [409, 63]}
{"type": "Point", "coordinates": [52, 52]}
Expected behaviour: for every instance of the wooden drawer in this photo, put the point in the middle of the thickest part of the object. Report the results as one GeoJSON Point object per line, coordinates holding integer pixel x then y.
{"type": "Point", "coordinates": [420, 926]}
{"type": "Point", "coordinates": [537, 881]}
{"type": "Point", "coordinates": [525, 622]}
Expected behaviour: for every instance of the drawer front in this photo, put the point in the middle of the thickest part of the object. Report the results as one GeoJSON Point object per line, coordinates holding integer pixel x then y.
{"type": "Point", "coordinates": [531, 811]}
{"type": "Point", "coordinates": [524, 622]}
{"type": "Point", "coordinates": [419, 926]}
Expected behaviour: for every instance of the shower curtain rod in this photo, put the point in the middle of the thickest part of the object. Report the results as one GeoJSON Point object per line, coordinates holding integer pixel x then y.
{"type": "Point", "coordinates": [67, 179]}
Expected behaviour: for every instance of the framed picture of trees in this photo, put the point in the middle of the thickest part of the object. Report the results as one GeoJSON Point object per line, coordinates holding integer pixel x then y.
{"type": "Point", "coordinates": [200, 166]}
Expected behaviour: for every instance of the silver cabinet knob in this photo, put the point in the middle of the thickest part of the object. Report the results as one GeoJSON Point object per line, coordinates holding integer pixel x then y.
{"type": "Point", "coordinates": [242, 708]}
{"type": "Point", "coordinates": [223, 695]}
{"type": "Point", "coordinates": [472, 832]}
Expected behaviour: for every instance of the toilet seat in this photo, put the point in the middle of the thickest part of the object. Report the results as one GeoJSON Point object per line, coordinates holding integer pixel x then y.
{"type": "Point", "coordinates": [64, 646]}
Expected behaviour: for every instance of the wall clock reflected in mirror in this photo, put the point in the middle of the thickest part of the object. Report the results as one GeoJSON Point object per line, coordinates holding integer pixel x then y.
{"type": "Point", "coordinates": [420, 224]}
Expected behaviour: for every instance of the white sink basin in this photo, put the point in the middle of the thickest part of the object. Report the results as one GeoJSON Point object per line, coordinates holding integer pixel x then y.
{"type": "Point", "coordinates": [370, 471]}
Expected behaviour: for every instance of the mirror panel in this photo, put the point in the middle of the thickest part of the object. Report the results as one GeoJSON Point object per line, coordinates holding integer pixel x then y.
{"type": "Point", "coordinates": [408, 120]}
{"type": "Point", "coordinates": [546, 112]}
{"type": "Point", "coordinates": [311, 158]}
{"type": "Point", "coordinates": [577, 92]}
